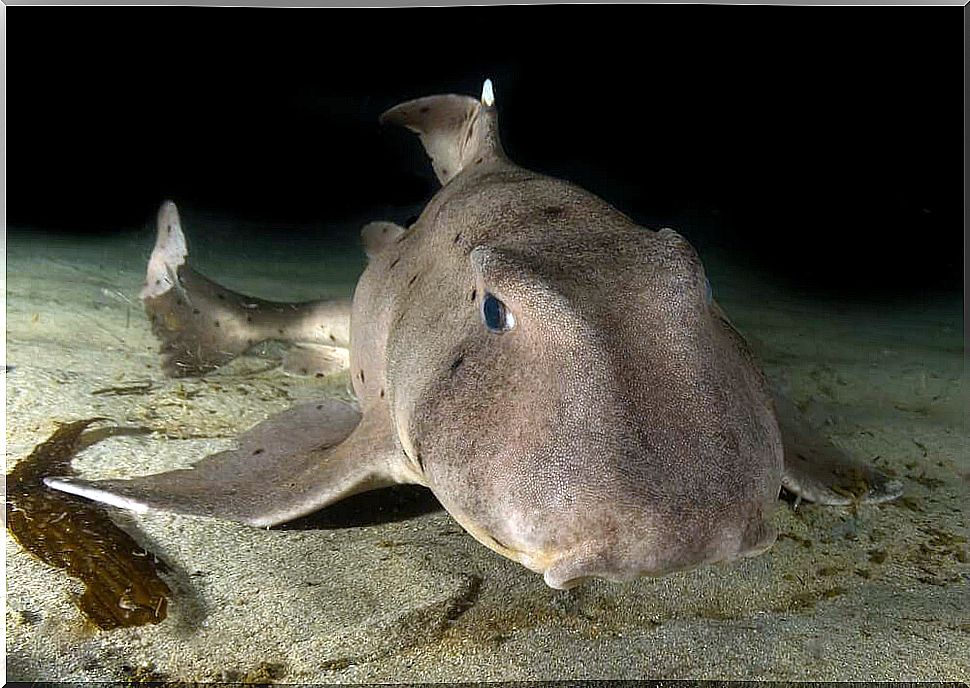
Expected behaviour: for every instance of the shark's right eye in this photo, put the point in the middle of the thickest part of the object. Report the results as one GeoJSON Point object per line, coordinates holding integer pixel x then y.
{"type": "Point", "coordinates": [497, 317]}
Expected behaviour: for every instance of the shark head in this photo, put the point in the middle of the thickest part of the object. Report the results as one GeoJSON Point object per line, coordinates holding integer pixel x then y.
{"type": "Point", "coordinates": [562, 377]}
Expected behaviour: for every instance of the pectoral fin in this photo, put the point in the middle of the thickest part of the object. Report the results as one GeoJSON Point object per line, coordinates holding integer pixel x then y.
{"type": "Point", "coordinates": [285, 467]}
{"type": "Point", "coordinates": [819, 471]}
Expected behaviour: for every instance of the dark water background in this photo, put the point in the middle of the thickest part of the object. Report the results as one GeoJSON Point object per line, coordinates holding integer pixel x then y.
{"type": "Point", "coordinates": [820, 146]}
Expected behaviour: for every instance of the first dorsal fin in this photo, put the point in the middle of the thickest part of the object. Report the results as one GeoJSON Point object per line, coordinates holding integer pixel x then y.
{"type": "Point", "coordinates": [457, 131]}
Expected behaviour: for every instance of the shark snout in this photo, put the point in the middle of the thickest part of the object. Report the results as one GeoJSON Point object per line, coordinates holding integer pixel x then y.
{"type": "Point", "coordinates": [606, 491]}
{"type": "Point", "coordinates": [676, 547]}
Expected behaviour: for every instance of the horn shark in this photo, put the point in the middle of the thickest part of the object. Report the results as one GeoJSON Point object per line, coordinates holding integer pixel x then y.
{"type": "Point", "coordinates": [559, 377]}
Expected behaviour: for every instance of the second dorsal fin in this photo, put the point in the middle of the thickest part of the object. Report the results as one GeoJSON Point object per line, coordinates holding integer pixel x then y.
{"type": "Point", "coordinates": [457, 131]}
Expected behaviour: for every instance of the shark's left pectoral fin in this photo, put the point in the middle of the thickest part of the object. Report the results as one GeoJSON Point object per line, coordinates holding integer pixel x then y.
{"type": "Point", "coordinates": [288, 466]}
{"type": "Point", "coordinates": [819, 471]}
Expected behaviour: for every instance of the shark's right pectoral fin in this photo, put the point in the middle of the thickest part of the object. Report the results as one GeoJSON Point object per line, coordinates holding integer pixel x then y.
{"type": "Point", "coordinates": [288, 466]}
{"type": "Point", "coordinates": [819, 471]}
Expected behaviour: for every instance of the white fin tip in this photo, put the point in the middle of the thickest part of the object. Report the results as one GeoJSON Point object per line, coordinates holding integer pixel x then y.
{"type": "Point", "coordinates": [488, 95]}
{"type": "Point", "coordinates": [94, 494]}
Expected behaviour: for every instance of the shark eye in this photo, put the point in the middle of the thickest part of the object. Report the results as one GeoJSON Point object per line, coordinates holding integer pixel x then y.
{"type": "Point", "coordinates": [496, 316]}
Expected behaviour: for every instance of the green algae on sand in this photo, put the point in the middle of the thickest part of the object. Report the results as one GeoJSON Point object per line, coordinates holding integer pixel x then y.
{"type": "Point", "coordinates": [121, 577]}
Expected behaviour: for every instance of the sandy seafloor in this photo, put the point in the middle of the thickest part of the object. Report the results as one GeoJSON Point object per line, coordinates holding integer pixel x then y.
{"type": "Point", "coordinates": [388, 588]}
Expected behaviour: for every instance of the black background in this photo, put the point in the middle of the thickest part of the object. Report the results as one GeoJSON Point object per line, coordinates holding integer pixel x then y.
{"type": "Point", "coordinates": [821, 144]}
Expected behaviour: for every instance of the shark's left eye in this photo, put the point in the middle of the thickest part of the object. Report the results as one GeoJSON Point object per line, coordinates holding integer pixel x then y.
{"type": "Point", "coordinates": [497, 317]}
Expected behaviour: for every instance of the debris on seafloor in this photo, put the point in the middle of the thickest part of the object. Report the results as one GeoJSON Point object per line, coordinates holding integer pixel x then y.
{"type": "Point", "coordinates": [125, 390]}
{"type": "Point", "coordinates": [121, 577]}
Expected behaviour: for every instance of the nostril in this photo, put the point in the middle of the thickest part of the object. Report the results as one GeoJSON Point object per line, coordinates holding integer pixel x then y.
{"type": "Point", "coordinates": [575, 567]}
{"type": "Point", "coordinates": [566, 585]}
{"type": "Point", "coordinates": [556, 579]}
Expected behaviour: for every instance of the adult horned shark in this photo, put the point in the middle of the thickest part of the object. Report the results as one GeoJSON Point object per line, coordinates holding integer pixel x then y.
{"type": "Point", "coordinates": [559, 377]}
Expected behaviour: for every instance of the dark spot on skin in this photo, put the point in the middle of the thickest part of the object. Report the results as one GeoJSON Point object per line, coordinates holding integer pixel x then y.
{"type": "Point", "coordinates": [280, 330]}
{"type": "Point", "coordinates": [221, 297]}
{"type": "Point", "coordinates": [362, 375]}
{"type": "Point", "coordinates": [444, 171]}
{"type": "Point", "coordinates": [318, 375]}
{"type": "Point", "coordinates": [249, 318]}
{"type": "Point", "coordinates": [396, 261]}
{"type": "Point", "coordinates": [304, 371]}
{"type": "Point", "coordinates": [411, 281]}
{"type": "Point", "coordinates": [179, 301]}
{"type": "Point", "coordinates": [319, 407]}
{"type": "Point", "coordinates": [552, 211]}
{"type": "Point", "coordinates": [258, 451]}
{"type": "Point", "coordinates": [474, 294]}
{"type": "Point", "coordinates": [332, 338]}
{"type": "Point", "coordinates": [195, 311]}
{"type": "Point", "coordinates": [157, 282]}
{"type": "Point", "coordinates": [479, 161]}
{"type": "Point", "coordinates": [457, 237]}
{"type": "Point", "coordinates": [382, 393]}
{"type": "Point", "coordinates": [218, 324]}
{"type": "Point", "coordinates": [424, 109]}
{"type": "Point", "coordinates": [457, 363]}
{"type": "Point", "coordinates": [169, 228]}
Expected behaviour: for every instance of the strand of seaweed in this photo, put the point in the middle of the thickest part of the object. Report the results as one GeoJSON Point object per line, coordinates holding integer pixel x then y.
{"type": "Point", "coordinates": [122, 587]}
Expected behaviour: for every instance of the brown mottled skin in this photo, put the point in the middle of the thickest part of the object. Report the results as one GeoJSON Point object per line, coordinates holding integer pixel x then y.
{"type": "Point", "coordinates": [620, 427]}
